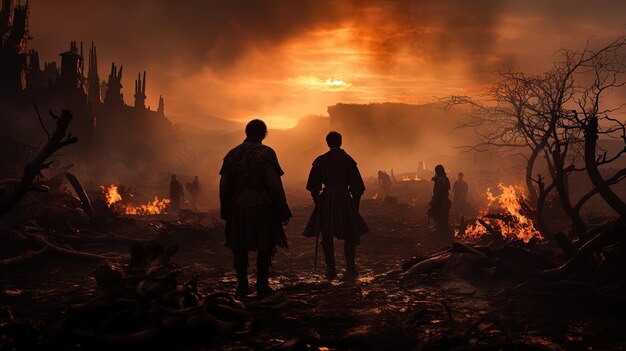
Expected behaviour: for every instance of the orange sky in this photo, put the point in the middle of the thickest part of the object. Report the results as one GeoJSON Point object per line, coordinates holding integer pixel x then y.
{"type": "Point", "coordinates": [284, 60]}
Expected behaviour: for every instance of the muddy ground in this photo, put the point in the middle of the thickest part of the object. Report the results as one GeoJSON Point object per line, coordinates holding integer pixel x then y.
{"type": "Point", "coordinates": [380, 311]}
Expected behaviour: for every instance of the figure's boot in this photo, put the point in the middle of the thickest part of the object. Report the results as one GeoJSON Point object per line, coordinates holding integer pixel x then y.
{"type": "Point", "coordinates": [349, 250]}
{"type": "Point", "coordinates": [263, 262]}
{"type": "Point", "coordinates": [241, 268]}
{"type": "Point", "coordinates": [329, 258]}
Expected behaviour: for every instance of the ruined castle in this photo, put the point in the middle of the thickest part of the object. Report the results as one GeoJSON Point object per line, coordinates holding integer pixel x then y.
{"type": "Point", "coordinates": [106, 126]}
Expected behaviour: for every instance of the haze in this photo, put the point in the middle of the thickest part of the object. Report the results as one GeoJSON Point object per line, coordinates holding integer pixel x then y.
{"type": "Point", "coordinates": [283, 60]}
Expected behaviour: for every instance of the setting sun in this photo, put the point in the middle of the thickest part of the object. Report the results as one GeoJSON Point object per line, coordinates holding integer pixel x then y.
{"type": "Point", "coordinates": [335, 82]}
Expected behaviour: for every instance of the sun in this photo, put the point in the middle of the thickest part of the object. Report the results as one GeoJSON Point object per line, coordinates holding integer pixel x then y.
{"type": "Point", "coordinates": [335, 82]}
{"type": "Point", "coordinates": [315, 83]}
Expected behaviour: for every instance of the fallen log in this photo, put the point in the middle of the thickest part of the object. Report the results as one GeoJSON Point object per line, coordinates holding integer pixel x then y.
{"type": "Point", "coordinates": [565, 244]}
{"type": "Point", "coordinates": [428, 265]}
{"type": "Point", "coordinates": [494, 233]}
{"type": "Point", "coordinates": [504, 218]}
{"type": "Point", "coordinates": [26, 256]}
{"type": "Point", "coordinates": [72, 252]}
{"type": "Point", "coordinates": [82, 195]}
{"type": "Point", "coordinates": [598, 242]}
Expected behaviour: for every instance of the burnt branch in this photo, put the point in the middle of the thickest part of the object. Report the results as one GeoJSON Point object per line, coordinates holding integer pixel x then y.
{"type": "Point", "coordinates": [57, 140]}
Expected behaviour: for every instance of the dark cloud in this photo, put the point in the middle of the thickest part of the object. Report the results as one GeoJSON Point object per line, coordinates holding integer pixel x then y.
{"type": "Point", "coordinates": [232, 58]}
{"type": "Point", "coordinates": [218, 33]}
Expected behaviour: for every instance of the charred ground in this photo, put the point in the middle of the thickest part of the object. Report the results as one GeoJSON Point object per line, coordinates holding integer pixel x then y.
{"type": "Point", "coordinates": [461, 303]}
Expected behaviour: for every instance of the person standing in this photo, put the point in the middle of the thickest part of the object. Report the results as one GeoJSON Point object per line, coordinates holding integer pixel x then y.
{"type": "Point", "coordinates": [384, 180]}
{"type": "Point", "coordinates": [440, 203]}
{"type": "Point", "coordinates": [193, 189]}
{"type": "Point", "coordinates": [254, 206]}
{"type": "Point", "coordinates": [336, 187]}
{"type": "Point", "coordinates": [459, 193]}
{"type": "Point", "coordinates": [176, 193]}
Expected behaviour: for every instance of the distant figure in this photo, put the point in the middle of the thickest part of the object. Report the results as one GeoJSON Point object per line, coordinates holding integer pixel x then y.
{"type": "Point", "coordinates": [336, 205]}
{"type": "Point", "coordinates": [459, 193]}
{"type": "Point", "coordinates": [440, 203]}
{"type": "Point", "coordinates": [176, 193]}
{"type": "Point", "coordinates": [254, 206]}
{"type": "Point", "coordinates": [193, 189]}
{"type": "Point", "coordinates": [384, 180]}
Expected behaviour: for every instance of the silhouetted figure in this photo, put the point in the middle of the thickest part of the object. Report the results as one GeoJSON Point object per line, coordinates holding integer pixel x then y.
{"type": "Point", "coordinates": [254, 206]}
{"type": "Point", "coordinates": [176, 193]}
{"type": "Point", "coordinates": [336, 204]}
{"type": "Point", "coordinates": [459, 194]}
{"type": "Point", "coordinates": [193, 189]}
{"type": "Point", "coordinates": [440, 203]}
{"type": "Point", "coordinates": [384, 180]}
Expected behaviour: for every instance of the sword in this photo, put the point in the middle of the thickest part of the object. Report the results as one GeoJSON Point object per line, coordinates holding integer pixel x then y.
{"type": "Point", "coordinates": [317, 243]}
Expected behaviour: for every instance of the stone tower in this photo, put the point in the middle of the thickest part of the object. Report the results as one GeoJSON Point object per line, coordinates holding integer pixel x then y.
{"type": "Point", "coordinates": [140, 91]}
{"type": "Point", "coordinates": [71, 68]}
{"type": "Point", "coordinates": [93, 81]}
{"type": "Point", "coordinates": [13, 39]}
{"type": "Point", "coordinates": [161, 108]}
{"type": "Point", "coordinates": [114, 95]}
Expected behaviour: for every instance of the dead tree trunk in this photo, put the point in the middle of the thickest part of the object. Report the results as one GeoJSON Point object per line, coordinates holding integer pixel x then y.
{"type": "Point", "coordinates": [32, 169]}
{"type": "Point", "coordinates": [530, 164]}
{"type": "Point", "coordinates": [578, 224]}
{"type": "Point", "coordinates": [591, 137]}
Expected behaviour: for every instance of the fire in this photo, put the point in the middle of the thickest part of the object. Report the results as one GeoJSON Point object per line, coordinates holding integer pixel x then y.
{"type": "Point", "coordinates": [114, 200]}
{"type": "Point", "coordinates": [514, 225]}
{"type": "Point", "coordinates": [111, 194]}
{"type": "Point", "coordinates": [151, 208]}
{"type": "Point", "coordinates": [375, 197]}
{"type": "Point", "coordinates": [408, 179]}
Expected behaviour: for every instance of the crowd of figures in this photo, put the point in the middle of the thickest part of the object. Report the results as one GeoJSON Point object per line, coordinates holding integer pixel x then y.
{"type": "Point", "coordinates": [254, 205]}
{"type": "Point", "coordinates": [177, 193]}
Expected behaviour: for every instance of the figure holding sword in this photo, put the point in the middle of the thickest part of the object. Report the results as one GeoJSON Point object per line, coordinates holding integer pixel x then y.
{"type": "Point", "coordinates": [336, 186]}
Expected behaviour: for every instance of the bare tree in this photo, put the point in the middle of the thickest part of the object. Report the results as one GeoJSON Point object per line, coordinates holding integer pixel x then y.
{"type": "Point", "coordinates": [557, 116]}
{"type": "Point", "coordinates": [11, 194]}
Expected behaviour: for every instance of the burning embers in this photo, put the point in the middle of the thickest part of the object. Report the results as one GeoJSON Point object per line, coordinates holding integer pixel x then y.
{"type": "Point", "coordinates": [506, 215]}
{"type": "Point", "coordinates": [117, 203]}
{"type": "Point", "coordinates": [408, 179]}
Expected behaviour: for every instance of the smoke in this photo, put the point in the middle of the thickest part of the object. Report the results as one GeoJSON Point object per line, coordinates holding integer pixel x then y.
{"type": "Point", "coordinates": [239, 58]}
{"type": "Point", "coordinates": [218, 33]}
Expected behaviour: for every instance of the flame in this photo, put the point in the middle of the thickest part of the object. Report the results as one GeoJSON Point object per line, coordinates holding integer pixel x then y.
{"type": "Point", "coordinates": [375, 197]}
{"type": "Point", "coordinates": [507, 204]}
{"type": "Point", "coordinates": [408, 179]}
{"type": "Point", "coordinates": [151, 208]}
{"type": "Point", "coordinates": [114, 201]}
{"type": "Point", "coordinates": [111, 194]}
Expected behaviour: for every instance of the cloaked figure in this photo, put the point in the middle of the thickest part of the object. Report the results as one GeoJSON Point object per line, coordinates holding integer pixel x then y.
{"type": "Point", "coordinates": [176, 193]}
{"type": "Point", "coordinates": [440, 203]}
{"type": "Point", "coordinates": [193, 189]}
{"type": "Point", "coordinates": [336, 187]}
{"type": "Point", "coordinates": [459, 194]}
{"type": "Point", "coordinates": [384, 180]}
{"type": "Point", "coordinates": [254, 206]}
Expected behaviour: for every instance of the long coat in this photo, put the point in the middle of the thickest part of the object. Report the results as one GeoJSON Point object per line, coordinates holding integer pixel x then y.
{"type": "Point", "coordinates": [440, 203]}
{"type": "Point", "coordinates": [336, 175]}
{"type": "Point", "coordinates": [252, 198]}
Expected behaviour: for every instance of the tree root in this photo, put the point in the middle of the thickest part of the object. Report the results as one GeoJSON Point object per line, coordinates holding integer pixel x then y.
{"type": "Point", "coordinates": [26, 256]}
{"type": "Point", "coordinates": [72, 252]}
